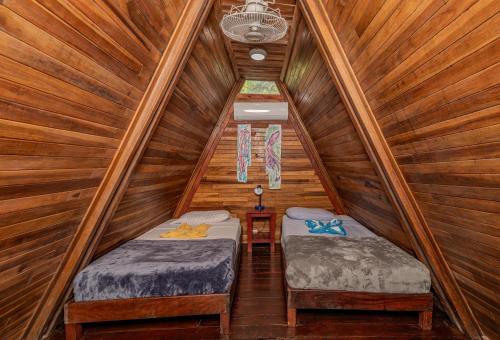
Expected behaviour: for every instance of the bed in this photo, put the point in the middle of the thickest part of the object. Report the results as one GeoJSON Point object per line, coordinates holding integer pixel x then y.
{"type": "Point", "coordinates": [358, 271]}
{"type": "Point", "coordinates": [154, 277]}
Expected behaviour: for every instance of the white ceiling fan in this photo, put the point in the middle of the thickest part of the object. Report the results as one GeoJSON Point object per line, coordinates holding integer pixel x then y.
{"type": "Point", "coordinates": [254, 22]}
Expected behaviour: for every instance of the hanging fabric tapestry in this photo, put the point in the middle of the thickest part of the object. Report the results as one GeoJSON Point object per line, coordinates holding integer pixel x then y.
{"type": "Point", "coordinates": [273, 156]}
{"type": "Point", "coordinates": [244, 146]}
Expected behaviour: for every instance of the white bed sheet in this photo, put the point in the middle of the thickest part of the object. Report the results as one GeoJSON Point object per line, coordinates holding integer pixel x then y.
{"type": "Point", "coordinates": [298, 227]}
{"type": "Point", "coordinates": [230, 229]}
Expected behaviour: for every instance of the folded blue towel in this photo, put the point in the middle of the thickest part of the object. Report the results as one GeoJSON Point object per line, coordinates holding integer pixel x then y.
{"type": "Point", "coordinates": [333, 227]}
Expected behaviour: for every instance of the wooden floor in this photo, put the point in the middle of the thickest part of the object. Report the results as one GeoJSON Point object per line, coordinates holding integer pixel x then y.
{"type": "Point", "coordinates": [259, 313]}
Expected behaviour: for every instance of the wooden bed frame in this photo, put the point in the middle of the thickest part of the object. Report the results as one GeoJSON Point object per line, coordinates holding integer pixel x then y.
{"type": "Point", "coordinates": [78, 313]}
{"type": "Point", "coordinates": [337, 299]}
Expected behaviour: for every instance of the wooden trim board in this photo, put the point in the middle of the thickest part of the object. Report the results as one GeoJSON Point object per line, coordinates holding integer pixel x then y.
{"type": "Point", "coordinates": [145, 308]}
{"type": "Point", "coordinates": [335, 299]}
{"type": "Point", "coordinates": [376, 146]}
{"type": "Point", "coordinates": [311, 151]}
{"type": "Point", "coordinates": [129, 153]}
{"type": "Point", "coordinates": [209, 150]}
{"type": "Point", "coordinates": [253, 97]}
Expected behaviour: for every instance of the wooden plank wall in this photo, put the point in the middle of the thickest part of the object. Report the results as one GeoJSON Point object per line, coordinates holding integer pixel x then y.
{"type": "Point", "coordinates": [219, 188]}
{"type": "Point", "coordinates": [336, 140]}
{"type": "Point", "coordinates": [431, 73]}
{"type": "Point", "coordinates": [71, 75]}
{"type": "Point", "coordinates": [159, 180]}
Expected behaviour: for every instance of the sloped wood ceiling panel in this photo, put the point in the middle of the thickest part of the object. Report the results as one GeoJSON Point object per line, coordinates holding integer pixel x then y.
{"type": "Point", "coordinates": [300, 185]}
{"type": "Point", "coordinates": [430, 71]}
{"type": "Point", "coordinates": [159, 180]}
{"type": "Point", "coordinates": [71, 75]}
{"type": "Point", "coordinates": [336, 140]}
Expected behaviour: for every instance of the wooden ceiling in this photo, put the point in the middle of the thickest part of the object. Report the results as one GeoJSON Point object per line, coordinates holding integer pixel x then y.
{"type": "Point", "coordinates": [277, 53]}
{"type": "Point", "coordinates": [73, 75]}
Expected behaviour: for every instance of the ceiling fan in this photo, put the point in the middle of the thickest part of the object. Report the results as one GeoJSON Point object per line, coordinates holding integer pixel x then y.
{"type": "Point", "coordinates": [254, 22]}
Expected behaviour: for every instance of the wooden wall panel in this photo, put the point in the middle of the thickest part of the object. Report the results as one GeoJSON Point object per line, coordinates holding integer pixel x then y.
{"type": "Point", "coordinates": [71, 75]}
{"type": "Point", "coordinates": [219, 188]}
{"type": "Point", "coordinates": [159, 180]}
{"type": "Point", "coordinates": [336, 140]}
{"type": "Point", "coordinates": [430, 71]}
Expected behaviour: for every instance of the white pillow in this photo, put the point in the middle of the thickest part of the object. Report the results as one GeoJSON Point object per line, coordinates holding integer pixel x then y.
{"type": "Point", "coordinates": [198, 217]}
{"type": "Point", "coordinates": [298, 213]}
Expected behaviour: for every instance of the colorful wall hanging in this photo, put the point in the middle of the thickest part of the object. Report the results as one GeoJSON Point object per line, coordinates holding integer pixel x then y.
{"type": "Point", "coordinates": [244, 158]}
{"type": "Point", "coordinates": [273, 155]}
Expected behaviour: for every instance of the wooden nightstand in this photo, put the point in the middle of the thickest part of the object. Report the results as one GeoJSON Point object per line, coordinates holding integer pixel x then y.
{"type": "Point", "coordinates": [267, 237]}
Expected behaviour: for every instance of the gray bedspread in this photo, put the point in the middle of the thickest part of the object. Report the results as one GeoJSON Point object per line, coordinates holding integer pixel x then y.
{"type": "Point", "coordinates": [140, 269]}
{"type": "Point", "coordinates": [356, 265]}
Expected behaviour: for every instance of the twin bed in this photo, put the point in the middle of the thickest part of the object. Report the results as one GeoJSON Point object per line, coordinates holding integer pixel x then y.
{"type": "Point", "coordinates": [156, 277]}
{"type": "Point", "coordinates": [355, 271]}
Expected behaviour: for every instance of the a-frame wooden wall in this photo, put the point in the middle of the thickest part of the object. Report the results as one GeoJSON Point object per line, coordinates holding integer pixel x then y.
{"type": "Point", "coordinates": [366, 125]}
{"type": "Point", "coordinates": [128, 155]}
{"type": "Point", "coordinates": [72, 75]}
{"type": "Point", "coordinates": [320, 18]}
{"type": "Point", "coordinates": [418, 82]}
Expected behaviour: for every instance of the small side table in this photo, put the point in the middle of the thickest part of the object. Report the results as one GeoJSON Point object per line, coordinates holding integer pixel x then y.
{"type": "Point", "coordinates": [261, 237]}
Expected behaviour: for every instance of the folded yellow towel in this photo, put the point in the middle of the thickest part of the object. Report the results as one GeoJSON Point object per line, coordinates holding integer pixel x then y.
{"type": "Point", "coordinates": [187, 231]}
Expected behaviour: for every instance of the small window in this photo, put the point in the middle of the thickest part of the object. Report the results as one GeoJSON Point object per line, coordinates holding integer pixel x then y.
{"type": "Point", "coordinates": [259, 87]}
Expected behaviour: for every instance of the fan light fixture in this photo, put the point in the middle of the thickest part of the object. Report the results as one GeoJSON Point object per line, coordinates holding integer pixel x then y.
{"type": "Point", "coordinates": [257, 54]}
{"type": "Point", "coordinates": [254, 22]}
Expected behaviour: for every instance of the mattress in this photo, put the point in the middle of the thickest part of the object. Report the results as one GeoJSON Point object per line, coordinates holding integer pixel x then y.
{"type": "Point", "coordinates": [365, 264]}
{"type": "Point", "coordinates": [229, 229]}
{"type": "Point", "coordinates": [298, 228]}
{"type": "Point", "coordinates": [150, 266]}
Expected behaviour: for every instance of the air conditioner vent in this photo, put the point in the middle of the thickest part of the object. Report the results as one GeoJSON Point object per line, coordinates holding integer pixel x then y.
{"type": "Point", "coordinates": [260, 111]}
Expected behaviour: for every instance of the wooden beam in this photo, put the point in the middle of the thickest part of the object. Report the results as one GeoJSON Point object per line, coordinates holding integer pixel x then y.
{"type": "Point", "coordinates": [129, 153]}
{"type": "Point", "coordinates": [257, 97]}
{"type": "Point", "coordinates": [377, 148]}
{"type": "Point", "coordinates": [311, 151]}
{"type": "Point", "coordinates": [208, 151]}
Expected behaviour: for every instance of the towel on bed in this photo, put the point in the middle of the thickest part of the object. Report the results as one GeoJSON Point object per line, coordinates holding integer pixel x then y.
{"type": "Point", "coordinates": [333, 227]}
{"type": "Point", "coordinates": [187, 231]}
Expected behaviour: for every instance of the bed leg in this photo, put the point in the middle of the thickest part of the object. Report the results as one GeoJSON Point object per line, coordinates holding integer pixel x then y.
{"type": "Point", "coordinates": [425, 320]}
{"type": "Point", "coordinates": [292, 317]}
{"type": "Point", "coordinates": [73, 331]}
{"type": "Point", "coordinates": [225, 319]}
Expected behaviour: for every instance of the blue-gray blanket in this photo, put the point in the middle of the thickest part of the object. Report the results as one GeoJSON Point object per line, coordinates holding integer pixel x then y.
{"type": "Point", "coordinates": [145, 268]}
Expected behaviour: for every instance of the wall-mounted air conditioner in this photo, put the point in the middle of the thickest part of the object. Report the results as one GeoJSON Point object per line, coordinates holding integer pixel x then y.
{"type": "Point", "coordinates": [260, 111]}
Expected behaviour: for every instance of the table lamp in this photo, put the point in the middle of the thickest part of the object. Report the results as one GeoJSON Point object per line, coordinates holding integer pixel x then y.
{"type": "Point", "coordinates": [259, 191]}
